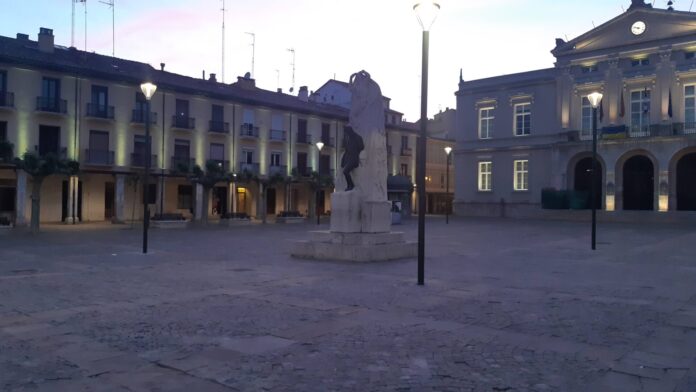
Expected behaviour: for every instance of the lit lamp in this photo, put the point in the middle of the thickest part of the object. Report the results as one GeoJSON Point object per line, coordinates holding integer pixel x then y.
{"type": "Point", "coordinates": [448, 151]}
{"type": "Point", "coordinates": [319, 145]}
{"type": "Point", "coordinates": [148, 90]}
{"type": "Point", "coordinates": [595, 98]}
{"type": "Point", "coordinates": [426, 11]}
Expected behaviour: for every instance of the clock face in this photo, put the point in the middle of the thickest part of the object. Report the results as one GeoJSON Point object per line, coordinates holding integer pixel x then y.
{"type": "Point", "coordinates": [638, 28]}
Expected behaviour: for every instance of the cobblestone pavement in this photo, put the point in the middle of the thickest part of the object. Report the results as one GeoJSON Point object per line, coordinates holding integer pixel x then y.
{"type": "Point", "coordinates": [507, 306]}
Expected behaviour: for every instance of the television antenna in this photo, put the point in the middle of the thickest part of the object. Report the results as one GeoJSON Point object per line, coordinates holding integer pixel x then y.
{"type": "Point", "coordinates": [253, 52]}
{"type": "Point", "coordinates": [224, 11]}
{"type": "Point", "coordinates": [292, 50]}
{"type": "Point", "coordinates": [112, 5]}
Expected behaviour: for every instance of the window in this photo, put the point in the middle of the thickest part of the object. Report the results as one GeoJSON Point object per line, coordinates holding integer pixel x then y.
{"type": "Point", "coordinates": [181, 148]}
{"type": "Point", "coordinates": [486, 122]}
{"type": "Point", "coordinates": [277, 122]}
{"type": "Point", "coordinates": [182, 108]}
{"type": "Point", "coordinates": [247, 156]}
{"type": "Point", "coordinates": [689, 55]}
{"type": "Point", "coordinates": [50, 89]}
{"type": "Point", "coordinates": [275, 158]}
{"type": "Point", "coordinates": [521, 180]}
{"type": "Point", "coordinates": [690, 107]}
{"type": "Point", "coordinates": [248, 117]}
{"type": "Point", "coordinates": [640, 112]}
{"type": "Point", "coordinates": [184, 197]}
{"type": "Point", "coordinates": [151, 194]}
{"type": "Point", "coordinates": [218, 114]}
{"type": "Point", "coordinates": [100, 97]}
{"type": "Point", "coordinates": [404, 142]}
{"type": "Point", "coordinates": [3, 81]}
{"type": "Point", "coordinates": [217, 152]}
{"type": "Point", "coordinates": [586, 126]}
{"type": "Point", "coordinates": [404, 170]}
{"type": "Point", "coordinates": [523, 119]}
{"type": "Point", "coordinates": [3, 131]}
{"type": "Point", "coordinates": [589, 68]}
{"type": "Point", "coordinates": [485, 172]}
{"type": "Point", "coordinates": [302, 136]}
{"type": "Point", "coordinates": [640, 62]}
{"type": "Point", "coordinates": [326, 133]}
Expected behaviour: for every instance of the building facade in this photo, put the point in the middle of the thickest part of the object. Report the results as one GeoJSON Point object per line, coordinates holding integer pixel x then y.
{"type": "Point", "coordinates": [524, 133]}
{"type": "Point", "coordinates": [88, 107]}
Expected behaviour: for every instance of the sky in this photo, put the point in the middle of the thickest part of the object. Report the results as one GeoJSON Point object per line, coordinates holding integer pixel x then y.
{"type": "Point", "coordinates": [331, 38]}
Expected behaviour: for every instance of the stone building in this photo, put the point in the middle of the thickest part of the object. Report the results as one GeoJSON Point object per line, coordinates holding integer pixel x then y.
{"type": "Point", "coordinates": [521, 133]}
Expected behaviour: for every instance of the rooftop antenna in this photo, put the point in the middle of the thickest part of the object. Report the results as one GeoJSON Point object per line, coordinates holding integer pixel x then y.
{"type": "Point", "coordinates": [223, 40]}
{"type": "Point", "coordinates": [111, 5]}
{"type": "Point", "coordinates": [277, 79]}
{"type": "Point", "coordinates": [692, 4]}
{"type": "Point", "coordinates": [292, 50]}
{"type": "Point", "coordinates": [72, 35]}
{"type": "Point", "coordinates": [593, 25]}
{"type": "Point", "coordinates": [85, 3]}
{"type": "Point", "coordinates": [253, 52]}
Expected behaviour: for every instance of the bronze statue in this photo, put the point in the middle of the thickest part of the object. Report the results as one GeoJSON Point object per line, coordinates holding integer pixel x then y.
{"type": "Point", "coordinates": [353, 144]}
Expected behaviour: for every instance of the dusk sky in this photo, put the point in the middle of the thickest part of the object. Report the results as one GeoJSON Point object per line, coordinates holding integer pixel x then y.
{"type": "Point", "coordinates": [330, 37]}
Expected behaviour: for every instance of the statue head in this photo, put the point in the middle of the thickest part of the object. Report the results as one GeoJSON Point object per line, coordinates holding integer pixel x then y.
{"type": "Point", "coordinates": [367, 103]}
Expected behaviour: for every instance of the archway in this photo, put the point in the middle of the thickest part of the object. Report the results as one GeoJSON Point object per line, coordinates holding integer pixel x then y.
{"type": "Point", "coordinates": [686, 183]}
{"type": "Point", "coordinates": [583, 180]}
{"type": "Point", "coordinates": [638, 184]}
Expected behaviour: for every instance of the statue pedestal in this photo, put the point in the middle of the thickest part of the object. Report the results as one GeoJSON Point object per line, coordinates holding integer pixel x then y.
{"type": "Point", "coordinates": [350, 214]}
{"type": "Point", "coordinates": [358, 247]}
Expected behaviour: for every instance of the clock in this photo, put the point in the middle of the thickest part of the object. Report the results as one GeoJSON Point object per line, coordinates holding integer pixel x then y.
{"type": "Point", "coordinates": [638, 28]}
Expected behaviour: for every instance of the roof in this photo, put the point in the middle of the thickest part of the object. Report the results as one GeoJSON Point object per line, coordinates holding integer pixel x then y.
{"type": "Point", "coordinates": [540, 75]}
{"type": "Point", "coordinates": [25, 52]}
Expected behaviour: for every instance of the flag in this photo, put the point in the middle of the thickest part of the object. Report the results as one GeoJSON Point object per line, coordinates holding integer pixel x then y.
{"type": "Point", "coordinates": [669, 107]}
{"type": "Point", "coordinates": [601, 110]}
{"type": "Point", "coordinates": [622, 108]}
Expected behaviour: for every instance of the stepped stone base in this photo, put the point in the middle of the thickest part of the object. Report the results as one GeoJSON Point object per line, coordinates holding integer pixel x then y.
{"type": "Point", "coordinates": [358, 247]}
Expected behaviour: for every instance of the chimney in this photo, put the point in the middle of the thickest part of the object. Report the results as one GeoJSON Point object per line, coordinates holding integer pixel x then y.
{"type": "Point", "coordinates": [46, 40]}
{"type": "Point", "coordinates": [280, 90]}
{"type": "Point", "coordinates": [22, 37]}
{"type": "Point", "coordinates": [212, 78]}
{"type": "Point", "coordinates": [246, 82]}
{"type": "Point", "coordinates": [161, 66]}
{"type": "Point", "coordinates": [203, 74]}
{"type": "Point", "coordinates": [303, 94]}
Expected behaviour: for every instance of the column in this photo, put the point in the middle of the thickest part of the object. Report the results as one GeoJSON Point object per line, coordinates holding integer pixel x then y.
{"type": "Point", "coordinates": [120, 191]}
{"type": "Point", "coordinates": [663, 192]}
{"type": "Point", "coordinates": [21, 202]}
{"type": "Point", "coordinates": [198, 210]}
{"type": "Point", "coordinates": [261, 205]}
{"type": "Point", "coordinates": [72, 200]}
{"type": "Point", "coordinates": [610, 191]}
{"type": "Point", "coordinates": [233, 198]}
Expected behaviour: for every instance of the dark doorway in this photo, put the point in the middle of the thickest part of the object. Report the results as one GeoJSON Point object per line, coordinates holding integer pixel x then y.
{"type": "Point", "coordinates": [638, 184]}
{"type": "Point", "coordinates": [583, 181]}
{"type": "Point", "coordinates": [686, 183]}
{"type": "Point", "coordinates": [270, 201]}
{"type": "Point", "coordinates": [49, 140]}
{"type": "Point", "coordinates": [109, 198]}
{"type": "Point", "coordinates": [64, 204]}
{"type": "Point", "coordinates": [220, 200]}
{"type": "Point", "coordinates": [321, 197]}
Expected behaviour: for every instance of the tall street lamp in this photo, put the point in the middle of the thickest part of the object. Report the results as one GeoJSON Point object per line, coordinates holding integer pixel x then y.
{"type": "Point", "coordinates": [319, 145]}
{"type": "Point", "coordinates": [448, 151]}
{"type": "Point", "coordinates": [595, 98]}
{"type": "Point", "coordinates": [426, 11]}
{"type": "Point", "coordinates": [148, 90]}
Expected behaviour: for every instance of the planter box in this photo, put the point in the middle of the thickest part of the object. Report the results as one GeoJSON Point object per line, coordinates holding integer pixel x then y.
{"type": "Point", "coordinates": [164, 224]}
{"type": "Point", "coordinates": [235, 222]}
{"type": "Point", "coordinates": [290, 219]}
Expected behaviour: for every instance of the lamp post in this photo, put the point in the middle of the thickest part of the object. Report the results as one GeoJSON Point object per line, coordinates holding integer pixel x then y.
{"type": "Point", "coordinates": [448, 151]}
{"type": "Point", "coordinates": [148, 90]}
{"type": "Point", "coordinates": [595, 98]}
{"type": "Point", "coordinates": [426, 11]}
{"type": "Point", "coordinates": [319, 145]}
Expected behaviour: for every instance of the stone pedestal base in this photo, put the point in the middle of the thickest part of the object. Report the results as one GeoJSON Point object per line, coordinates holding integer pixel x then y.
{"type": "Point", "coordinates": [359, 247]}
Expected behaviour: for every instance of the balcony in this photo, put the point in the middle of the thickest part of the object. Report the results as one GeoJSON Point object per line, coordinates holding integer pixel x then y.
{"type": "Point", "coordinates": [276, 135]}
{"type": "Point", "coordinates": [138, 160]}
{"type": "Point", "coordinates": [252, 168]}
{"type": "Point", "coordinates": [60, 152]}
{"type": "Point", "coordinates": [102, 112]}
{"type": "Point", "coordinates": [219, 127]}
{"type": "Point", "coordinates": [278, 170]}
{"type": "Point", "coordinates": [301, 171]}
{"type": "Point", "coordinates": [325, 172]}
{"type": "Point", "coordinates": [221, 163]}
{"type": "Point", "coordinates": [303, 138]}
{"type": "Point", "coordinates": [51, 105]}
{"type": "Point", "coordinates": [182, 164]}
{"type": "Point", "coordinates": [138, 117]}
{"type": "Point", "coordinates": [183, 122]}
{"type": "Point", "coordinates": [249, 131]}
{"type": "Point", "coordinates": [406, 152]}
{"type": "Point", "coordinates": [99, 157]}
{"type": "Point", "coordinates": [6, 100]}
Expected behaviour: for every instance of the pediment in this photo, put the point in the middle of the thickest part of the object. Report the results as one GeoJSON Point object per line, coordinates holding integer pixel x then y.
{"type": "Point", "coordinates": [661, 26]}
